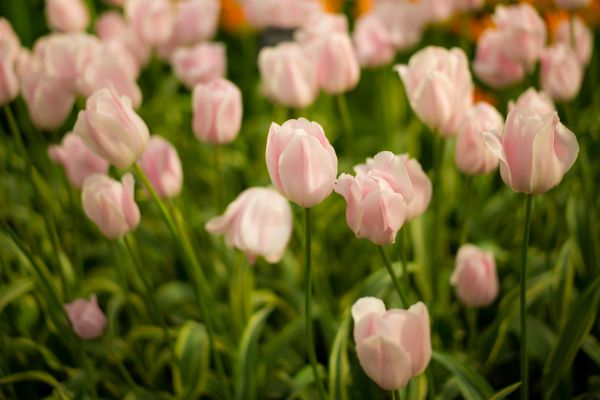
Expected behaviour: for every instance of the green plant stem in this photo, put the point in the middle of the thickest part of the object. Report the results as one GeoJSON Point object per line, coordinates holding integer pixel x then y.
{"type": "Point", "coordinates": [403, 263]}
{"type": "Point", "coordinates": [388, 266]}
{"type": "Point", "coordinates": [15, 131]}
{"type": "Point", "coordinates": [218, 176]}
{"type": "Point", "coordinates": [472, 324]}
{"type": "Point", "coordinates": [468, 192]}
{"type": "Point", "coordinates": [346, 120]}
{"type": "Point", "coordinates": [436, 259]}
{"type": "Point", "coordinates": [572, 31]}
{"type": "Point", "coordinates": [310, 341]}
{"type": "Point", "coordinates": [524, 365]}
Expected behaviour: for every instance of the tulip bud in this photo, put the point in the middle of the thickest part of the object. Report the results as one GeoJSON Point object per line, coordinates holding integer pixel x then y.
{"type": "Point", "coordinates": [572, 4]}
{"type": "Point", "coordinates": [152, 20]}
{"type": "Point", "coordinates": [301, 162]}
{"type": "Point", "coordinates": [404, 20]}
{"type": "Point", "coordinates": [336, 63]}
{"type": "Point", "coordinates": [162, 166]}
{"type": "Point", "coordinates": [583, 41]}
{"type": "Point", "coordinates": [9, 41]}
{"type": "Point", "coordinates": [437, 10]}
{"type": "Point", "coordinates": [560, 73]}
{"type": "Point", "coordinates": [475, 277]}
{"type": "Point", "coordinates": [199, 64]}
{"type": "Point", "coordinates": [79, 162]}
{"type": "Point", "coordinates": [319, 25]}
{"type": "Point", "coordinates": [86, 317]}
{"type": "Point", "coordinates": [278, 13]}
{"type": "Point", "coordinates": [67, 15]}
{"type": "Point", "coordinates": [110, 204]}
{"type": "Point", "coordinates": [492, 65]}
{"type": "Point", "coordinates": [111, 27]}
{"type": "Point", "coordinates": [195, 21]}
{"type": "Point", "coordinates": [422, 188]}
{"type": "Point", "coordinates": [373, 42]}
{"type": "Point", "coordinates": [111, 129]}
{"type": "Point", "coordinates": [539, 102]}
{"type": "Point", "coordinates": [535, 151]}
{"type": "Point", "coordinates": [392, 346]}
{"type": "Point", "coordinates": [9, 84]}
{"type": "Point", "coordinates": [258, 222]}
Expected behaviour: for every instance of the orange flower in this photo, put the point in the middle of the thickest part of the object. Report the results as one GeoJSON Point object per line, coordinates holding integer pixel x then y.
{"type": "Point", "coordinates": [232, 16]}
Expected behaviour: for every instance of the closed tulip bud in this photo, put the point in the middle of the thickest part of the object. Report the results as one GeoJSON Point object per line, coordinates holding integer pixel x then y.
{"type": "Point", "coordinates": [87, 319]}
{"type": "Point", "coordinates": [321, 24]}
{"type": "Point", "coordinates": [301, 162]}
{"type": "Point", "coordinates": [439, 87]}
{"type": "Point", "coordinates": [195, 21]}
{"type": "Point", "coordinates": [337, 67]}
{"type": "Point", "coordinates": [535, 151]}
{"type": "Point", "coordinates": [110, 204]}
{"type": "Point", "coordinates": [111, 28]}
{"type": "Point", "coordinates": [475, 277]}
{"type": "Point", "coordinates": [561, 74]}
{"type": "Point", "coordinates": [373, 42]}
{"type": "Point", "coordinates": [583, 41]}
{"type": "Point", "coordinates": [258, 222]}
{"type": "Point", "coordinates": [162, 166]}
{"type": "Point", "coordinates": [539, 102]}
{"type": "Point", "coordinates": [199, 64]}
{"type": "Point", "coordinates": [422, 188]}
{"type": "Point", "coordinates": [9, 41]}
{"type": "Point", "coordinates": [79, 162]}
{"type": "Point", "coordinates": [472, 155]}
{"type": "Point", "coordinates": [9, 84]}
{"type": "Point", "coordinates": [492, 64]}
{"type": "Point", "coordinates": [392, 346]}
{"type": "Point", "coordinates": [111, 129]}
{"type": "Point", "coordinates": [217, 108]}
{"type": "Point", "coordinates": [404, 20]}
{"type": "Point", "coordinates": [152, 20]}
{"type": "Point", "coordinates": [67, 15]}
{"type": "Point", "coordinates": [288, 75]}
{"type": "Point", "coordinates": [572, 4]}
{"type": "Point", "coordinates": [278, 13]}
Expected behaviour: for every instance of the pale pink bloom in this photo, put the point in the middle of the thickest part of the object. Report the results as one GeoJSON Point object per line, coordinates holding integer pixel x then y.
{"type": "Point", "coordinates": [199, 64]}
{"type": "Point", "coordinates": [258, 222]}
{"type": "Point", "coordinates": [67, 15]}
{"type": "Point", "coordinates": [110, 128]}
{"type": "Point", "coordinates": [469, 5]}
{"type": "Point", "coordinates": [9, 84]}
{"type": "Point", "coordinates": [405, 20]}
{"type": "Point", "coordinates": [162, 166]}
{"type": "Point", "coordinates": [278, 13]}
{"type": "Point", "coordinates": [301, 162]}
{"type": "Point", "coordinates": [335, 61]}
{"type": "Point", "coordinates": [217, 108]}
{"type": "Point", "coordinates": [86, 317]}
{"type": "Point", "coordinates": [561, 74]}
{"type": "Point", "coordinates": [195, 21]}
{"type": "Point", "coordinates": [152, 20]}
{"type": "Point", "coordinates": [392, 345]}
{"type": "Point", "coordinates": [492, 65]}
{"type": "Point", "coordinates": [372, 41]}
{"type": "Point", "coordinates": [439, 87]}
{"type": "Point", "coordinates": [288, 75]}
{"type": "Point", "coordinates": [9, 41]}
{"type": "Point", "coordinates": [531, 99]}
{"type": "Point", "coordinates": [535, 151]}
{"type": "Point", "coordinates": [112, 28]}
{"type": "Point", "coordinates": [79, 162]}
{"type": "Point", "coordinates": [472, 156]}
{"type": "Point", "coordinates": [475, 277]}
{"type": "Point", "coordinates": [421, 185]}
{"type": "Point", "coordinates": [584, 39]}
{"type": "Point", "coordinates": [437, 10]}
{"type": "Point", "coordinates": [319, 25]}
{"type": "Point", "coordinates": [572, 4]}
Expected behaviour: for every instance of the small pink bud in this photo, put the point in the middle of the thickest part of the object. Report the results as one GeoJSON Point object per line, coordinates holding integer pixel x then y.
{"type": "Point", "coordinates": [492, 64]}
{"type": "Point", "coordinates": [561, 74]}
{"type": "Point", "coordinates": [373, 42]}
{"type": "Point", "coordinates": [162, 166]}
{"type": "Point", "coordinates": [67, 15]}
{"type": "Point", "coordinates": [539, 102]}
{"type": "Point", "coordinates": [195, 21]}
{"type": "Point", "coordinates": [152, 20]}
{"type": "Point", "coordinates": [475, 277]}
{"type": "Point", "coordinates": [199, 64]}
{"type": "Point", "coordinates": [87, 319]}
{"type": "Point", "coordinates": [404, 20]}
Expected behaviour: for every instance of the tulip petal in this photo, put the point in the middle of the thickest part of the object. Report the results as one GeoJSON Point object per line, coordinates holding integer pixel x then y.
{"type": "Point", "coordinates": [367, 305]}
{"type": "Point", "coordinates": [384, 361]}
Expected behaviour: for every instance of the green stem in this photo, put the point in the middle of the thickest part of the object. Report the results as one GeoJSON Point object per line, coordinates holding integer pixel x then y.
{"type": "Point", "coordinates": [217, 183]}
{"type": "Point", "coordinates": [89, 371]}
{"type": "Point", "coordinates": [524, 365]}
{"type": "Point", "coordinates": [464, 234]}
{"type": "Point", "coordinates": [403, 264]}
{"type": "Point", "coordinates": [15, 131]}
{"type": "Point", "coordinates": [388, 266]}
{"type": "Point", "coordinates": [346, 120]}
{"type": "Point", "coordinates": [572, 31]}
{"type": "Point", "coordinates": [308, 303]}
{"type": "Point", "coordinates": [436, 260]}
{"type": "Point", "coordinates": [472, 324]}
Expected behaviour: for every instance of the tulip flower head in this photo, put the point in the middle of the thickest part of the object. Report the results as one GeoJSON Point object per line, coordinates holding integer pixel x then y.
{"type": "Point", "coordinates": [162, 166]}
{"type": "Point", "coordinates": [86, 318]}
{"type": "Point", "coordinates": [475, 277]}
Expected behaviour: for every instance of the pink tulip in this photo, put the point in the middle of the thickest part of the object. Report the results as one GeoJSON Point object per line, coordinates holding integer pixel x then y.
{"type": "Point", "coordinates": [217, 108]}
{"type": "Point", "coordinates": [492, 65]}
{"type": "Point", "coordinates": [535, 151]}
{"type": "Point", "coordinates": [337, 67]}
{"type": "Point", "coordinates": [301, 162]}
{"type": "Point", "coordinates": [439, 87]}
{"type": "Point", "coordinates": [321, 24]}
{"type": "Point", "coordinates": [561, 74]}
{"type": "Point", "coordinates": [539, 102]}
{"type": "Point", "coordinates": [437, 10]}
{"type": "Point", "coordinates": [67, 15]}
{"type": "Point", "coordinates": [288, 75]}
{"type": "Point", "coordinates": [404, 20]}
{"type": "Point", "coordinates": [110, 204]}
{"type": "Point", "coordinates": [195, 21]}
{"type": "Point", "coordinates": [87, 319]}
{"type": "Point", "coordinates": [422, 188]}
{"type": "Point", "coordinates": [9, 41]}
{"type": "Point", "coordinates": [584, 39]}
{"type": "Point", "coordinates": [472, 155]}
{"type": "Point", "coordinates": [199, 64]}
{"type": "Point", "coordinates": [152, 20]}
{"type": "Point", "coordinates": [278, 13]}
{"type": "Point", "coordinates": [258, 222]}
{"type": "Point", "coordinates": [112, 28]}
{"type": "Point", "coordinates": [111, 129]}
{"type": "Point", "coordinates": [572, 4]}
{"type": "Point", "coordinates": [9, 84]}
{"type": "Point", "coordinates": [475, 277]}
{"type": "Point", "coordinates": [162, 166]}
{"type": "Point", "coordinates": [79, 162]}
{"type": "Point", "coordinates": [377, 197]}
{"type": "Point", "coordinates": [373, 41]}
{"type": "Point", "coordinates": [392, 346]}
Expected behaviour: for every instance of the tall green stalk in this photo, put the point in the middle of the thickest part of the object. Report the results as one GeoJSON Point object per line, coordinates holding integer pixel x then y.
{"type": "Point", "coordinates": [388, 266]}
{"type": "Point", "coordinates": [436, 259]}
{"type": "Point", "coordinates": [524, 364]}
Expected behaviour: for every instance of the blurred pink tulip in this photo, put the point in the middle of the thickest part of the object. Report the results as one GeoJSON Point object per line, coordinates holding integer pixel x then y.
{"type": "Point", "coordinates": [572, 4]}
{"type": "Point", "coordinates": [301, 162]}
{"type": "Point", "coordinates": [87, 319]}
{"type": "Point", "coordinates": [258, 222]}
{"type": "Point", "coordinates": [422, 188]}
{"type": "Point", "coordinates": [9, 41]}
{"type": "Point", "coordinates": [561, 74]}
{"type": "Point", "coordinates": [79, 162]}
{"type": "Point", "coordinates": [475, 277]}
{"type": "Point", "coordinates": [437, 10]}
{"type": "Point", "coordinates": [535, 151]}
{"type": "Point", "coordinates": [404, 20]}
{"type": "Point", "coordinates": [110, 204]}
{"type": "Point", "coordinates": [336, 63]}
{"type": "Point", "coordinates": [278, 13]}
{"type": "Point", "coordinates": [320, 24]}
{"type": "Point", "coordinates": [373, 41]}
{"type": "Point", "coordinates": [472, 156]}
{"type": "Point", "coordinates": [111, 129]}
{"type": "Point", "coordinates": [152, 20]}
{"type": "Point", "coordinates": [217, 108]}
{"type": "Point", "coordinates": [288, 75]}
{"type": "Point", "coordinates": [195, 21]}
{"type": "Point", "coordinates": [584, 39]}
{"type": "Point", "coordinates": [162, 166]}
{"type": "Point", "coordinates": [392, 346]}
{"type": "Point", "coordinates": [539, 102]}
{"type": "Point", "coordinates": [439, 87]}
{"type": "Point", "coordinates": [492, 65]}
{"type": "Point", "coordinates": [199, 64]}
{"type": "Point", "coordinates": [9, 84]}
{"type": "Point", "coordinates": [112, 28]}
{"type": "Point", "coordinates": [67, 15]}
{"type": "Point", "coordinates": [469, 5]}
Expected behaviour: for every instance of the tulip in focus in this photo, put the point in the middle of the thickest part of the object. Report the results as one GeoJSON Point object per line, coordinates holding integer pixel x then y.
{"type": "Point", "coordinates": [572, 4]}
{"type": "Point", "coordinates": [111, 129]}
{"type": "Point", "coordinates": [110, 204]}
{"type": "Point", "coordinates": [86, 318]}
{"type": "Point", "coordinates": [152, 20]}
{"type": "Point", "coordinates": [217, 108]}
{"type": "Point", "coordinates": [535, 151]}
{"type": "Point", "coordinates": [199, 64]}
{"type": "Point", "coordinates": [475, 277]}
{"type": "Point", "coordinates": [539, 102]}
{"type": "Point", "coordinates": [561, 74]}
{"type": "Point", "coordinates": [162, 166]}
{"type": "Point", "coordinates": [392, 346]}
{"type": "Point", "coordinates": [373, 42]}
{"type": "Point", "coordinates": [258, 222]}
{"type": "Point", "coordinates": [492, 65]}
{"type": "Point", "coordinates": [79, 162]}
{"type": "Point", "coordinates": [67, 15]}
{"type": "Point", "coordinates": [301, 162]}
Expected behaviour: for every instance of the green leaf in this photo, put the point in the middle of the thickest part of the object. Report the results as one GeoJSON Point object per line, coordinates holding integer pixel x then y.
{"type": "Point", "coordinates": [504, 393]}
{"type": "Point", "coordinates": [36, 376]}
{"type": "Point", "coordinates": [338, 363]}
{"type": "Point", "coordinates": [14, 290]}
{"type": "Point", "coordinates": [472, 385]}
{"type": "Point", "coordinates": [592, 348]}
{"type": "Point", "coordinates": [192, 351]}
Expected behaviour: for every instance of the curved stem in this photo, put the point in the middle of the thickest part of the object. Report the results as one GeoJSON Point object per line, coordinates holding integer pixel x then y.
{"type": "Point", "coordinates": [14, 128]}
{"type": "Point", "coordinates": [404, 265]}
{"type": "Point", "coordinates": [388, 266]}
{"type": "Point", "coordinates": [346, 120]}
{"type": "Point", "coordinates": [438, 192]}
{"type": "Point", "coordinates": [308, 303]}
{"type": "Point", "coordinates": [524, 366]}
{"type": "Point", "coordinates": [468, 193]}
